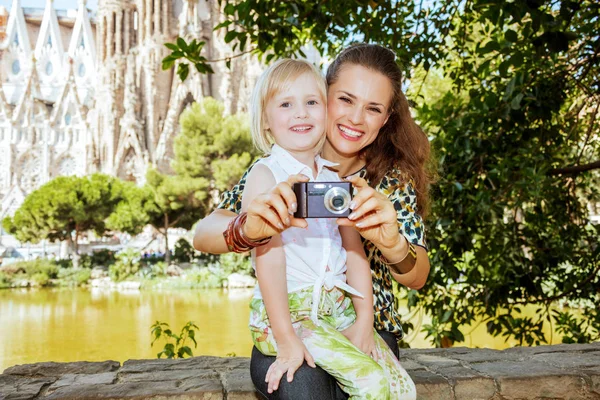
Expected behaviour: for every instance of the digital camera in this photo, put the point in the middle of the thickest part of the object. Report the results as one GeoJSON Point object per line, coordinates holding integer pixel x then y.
{"type": "Point", "coordinates": [323, 199]}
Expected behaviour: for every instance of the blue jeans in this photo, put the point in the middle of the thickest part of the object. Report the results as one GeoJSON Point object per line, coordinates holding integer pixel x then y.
{"type": "Point", "coordinates": [309, 383]}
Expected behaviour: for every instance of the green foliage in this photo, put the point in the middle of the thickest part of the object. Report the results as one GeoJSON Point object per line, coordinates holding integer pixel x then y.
{"type": "Point", "coordinates": [183, 251]}
{"type": "Point", "coordinates": [212, 146]}
{"type": "Point", "coordinates": [127, 264]}
{"type": "Point", "coordinates": [175, 345]}
{"type": "Point", "coordinates": [65, 208]}
{"type": "Point", "coordinates": [40, 267]}
{"type": "Point", "coordinates": [511, 107]}
{"type": "Point", "coordinates": [5, 280]}
{"type": "Point", "coordinates": [73, 277]}
{"type": "Point", "coordinates": [230, 263]}
{"type": "Point", "coordinates": [186, 51]}
{"type": "Point", "coordinates": [43, 272]}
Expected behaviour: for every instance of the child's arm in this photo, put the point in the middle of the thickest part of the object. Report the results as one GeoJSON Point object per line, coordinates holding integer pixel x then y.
{"type": "Point", "coordinates": [358, 275]}
{"type": "Point", "coordinates": [271, 275]}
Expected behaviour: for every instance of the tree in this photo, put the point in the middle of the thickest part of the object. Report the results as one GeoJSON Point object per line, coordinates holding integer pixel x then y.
{"type": "Point", "coordinates": [213, 146]}
{"type": "Point", "coordinates": [164, 202]}
{"type": "Point", "coordinates": [517, 139]}
{"type": "Point", "coordinates": [211, 153]}
{"type": "Point", "coordinates": [64, 209]}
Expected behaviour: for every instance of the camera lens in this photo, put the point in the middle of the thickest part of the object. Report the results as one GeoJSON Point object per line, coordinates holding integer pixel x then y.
{"type": "Point", "coordinates": [337, 200]}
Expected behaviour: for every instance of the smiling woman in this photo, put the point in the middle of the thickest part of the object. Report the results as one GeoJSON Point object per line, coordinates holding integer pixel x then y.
{"type": "Point", "coordinates": [379, 147]}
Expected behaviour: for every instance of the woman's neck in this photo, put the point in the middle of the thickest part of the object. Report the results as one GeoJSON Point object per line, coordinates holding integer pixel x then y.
{"type": "Point", "coordinates": [348, 164]}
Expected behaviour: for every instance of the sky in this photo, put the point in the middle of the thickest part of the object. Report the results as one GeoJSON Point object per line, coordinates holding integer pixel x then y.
{"type": "Point", "coordinates": [58, 4]}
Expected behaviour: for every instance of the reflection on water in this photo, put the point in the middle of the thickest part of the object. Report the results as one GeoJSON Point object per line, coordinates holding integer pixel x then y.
{"type": "Point", "coordinates": [98, 325]}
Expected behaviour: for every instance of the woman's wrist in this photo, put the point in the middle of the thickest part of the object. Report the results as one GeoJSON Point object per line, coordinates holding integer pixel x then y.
{"type": "Point", "coordinates": [396, 250]}
{"type": "Point", "coordinates": [402, 258]}
{"type": "Point", "coordinates": [236, 239]}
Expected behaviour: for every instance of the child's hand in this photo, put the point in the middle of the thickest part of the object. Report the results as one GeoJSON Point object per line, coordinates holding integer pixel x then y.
{"type": "Point", "coordinates": [291, 353]}
{"type": "Point", "coordinates": [362, 336]}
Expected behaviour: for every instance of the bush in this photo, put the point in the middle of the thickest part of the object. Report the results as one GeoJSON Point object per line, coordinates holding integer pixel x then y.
{"type": "Point", "coordinates": [204, 278]}
{"type": "Point", "coordinates": [183, 252]}
{"type": "Point", "coordinates": [5, 280]}
{"type": "Point", "coordinates": [127, 263]}
{"type": "Point", "coordinates": [74, 277]}
{"type": "Point", "coordinates": [232, 262]}
{"type": "Point", "coordinates": [102, 258]}
{"type": "Point", "coordinates": [34, 268]}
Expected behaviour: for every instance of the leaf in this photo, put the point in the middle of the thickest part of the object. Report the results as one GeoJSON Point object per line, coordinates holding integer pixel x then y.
{"type": "Point", "coordinates": [183, 70]}
{"type": "Point", "coordinates": [171, 46]}
{"type": "Point", "coordinates": [515, 104]}
{"type": "Point", "coordinates": [230, 36]}
{"type": "Point", "coordinates": [511, 36]}
{"type": "Point", "coordinates": [229, 9]}
{"type": "Point", "coordinates": [182, 44]}
{"type": "Point", "coordinates": [228, 63]}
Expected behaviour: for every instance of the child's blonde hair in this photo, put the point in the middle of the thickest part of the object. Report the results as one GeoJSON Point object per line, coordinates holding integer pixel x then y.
{"type": "Point", "coordinates": [275, 79]}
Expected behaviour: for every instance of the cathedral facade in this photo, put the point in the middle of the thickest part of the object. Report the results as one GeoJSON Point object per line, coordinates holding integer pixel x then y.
{"type": "Point", "coordinates": [84, 92]}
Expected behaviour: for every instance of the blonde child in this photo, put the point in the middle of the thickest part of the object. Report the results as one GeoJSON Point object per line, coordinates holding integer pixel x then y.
{"type": "Point", "coordinates": [314, 287]}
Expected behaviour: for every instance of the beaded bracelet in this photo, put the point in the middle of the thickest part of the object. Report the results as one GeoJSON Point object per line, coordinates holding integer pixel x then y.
{"type": "Point", "coordinates": [410, 257]}
{"type": "Point", "coordinates": [235, 238]}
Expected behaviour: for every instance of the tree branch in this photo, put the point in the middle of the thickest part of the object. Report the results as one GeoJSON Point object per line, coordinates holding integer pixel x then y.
{"type": "Point", "coordinates": [576, 169]}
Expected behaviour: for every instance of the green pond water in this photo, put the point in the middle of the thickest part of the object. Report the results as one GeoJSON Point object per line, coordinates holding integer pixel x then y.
{"type": "Point", "coordinates": [96, 325]}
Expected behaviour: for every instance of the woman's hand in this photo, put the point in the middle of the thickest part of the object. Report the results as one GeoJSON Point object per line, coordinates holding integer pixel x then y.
{"type": "Point", "coordinates": [291, 353]}
{"type": "Point", "coordinates": [362, 336]}
{"type": "Point", "coordinates": [271, 213]}
{"type": "Point", "coordinates": [373, 215]}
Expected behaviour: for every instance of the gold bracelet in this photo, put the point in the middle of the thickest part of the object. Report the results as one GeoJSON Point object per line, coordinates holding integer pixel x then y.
{"type": "Point", "coordinates": [411, 256]}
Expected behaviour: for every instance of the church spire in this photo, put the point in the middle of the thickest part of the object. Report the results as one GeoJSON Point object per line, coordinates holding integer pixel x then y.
{"type": "Point", "coordinates": [16, 31]}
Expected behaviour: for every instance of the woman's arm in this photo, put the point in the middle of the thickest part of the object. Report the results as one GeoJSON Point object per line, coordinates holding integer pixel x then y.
{"type": "Point", "coordinates": [376, 219]}
{"type": "Point", "coordinates": [268, 215]}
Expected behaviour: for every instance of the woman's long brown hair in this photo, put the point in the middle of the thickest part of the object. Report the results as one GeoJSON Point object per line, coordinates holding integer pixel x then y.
{"type": "Point", "coordinates": [400, 143]}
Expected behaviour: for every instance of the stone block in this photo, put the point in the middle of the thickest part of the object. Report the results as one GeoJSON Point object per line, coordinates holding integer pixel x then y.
{"type": "Point", "coordinates": [238, 385]}
{"type": "Point", "coordinates": [58, 369]}
{"type": "Point", "coordinates": [485, 355]}
{"type": "Point", "coordinates": [410, 365]}
{"type": "Point", "coordinates": [570, 360]}
{"type": "Point", "coordinates": [104, 378]}
{"type": "Point", "coordinates": [431, 386]}
{"type": "Point", "coordinates": [201, 362]}
{"type": "Point", "coordinates": [168, 375]}
{"type": "Point", "coordinates": [469, 384]}
{"type": "Point", "coordinates": [531, 380]}
{"type": "Point", "coordinates": [556, 348]}
{"type": "Point", "coordinates": [198, 388]}
{"type": "Point", "coordinates": [434, 362]}
{"type": "Point", "coordinates": [15, 387]}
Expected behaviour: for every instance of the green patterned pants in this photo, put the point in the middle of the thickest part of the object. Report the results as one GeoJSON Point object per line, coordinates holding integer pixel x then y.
{"type": "Point", "coordinates": [357, 373]}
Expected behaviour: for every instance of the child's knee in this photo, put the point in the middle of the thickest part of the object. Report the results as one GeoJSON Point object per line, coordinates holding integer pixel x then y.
{"type": "Point", "coordinates": [375, 385]}
{"type": "Point", "coordinates": [407, 389]}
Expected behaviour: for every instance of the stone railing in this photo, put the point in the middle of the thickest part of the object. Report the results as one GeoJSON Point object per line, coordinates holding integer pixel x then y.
{"type": "Point", "coordinates": [544, 372]}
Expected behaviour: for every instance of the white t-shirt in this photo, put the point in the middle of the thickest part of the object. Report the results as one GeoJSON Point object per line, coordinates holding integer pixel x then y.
{"type": "Point", "coordinates": [309, 252]}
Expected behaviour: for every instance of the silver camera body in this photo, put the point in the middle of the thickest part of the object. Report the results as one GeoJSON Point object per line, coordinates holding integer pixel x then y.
{"type": "Point", "coordinates": [323, 199]}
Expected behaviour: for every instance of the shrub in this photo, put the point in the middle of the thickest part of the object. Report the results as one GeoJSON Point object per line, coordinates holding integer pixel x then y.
{"type": "Point", "coordinates": [5, 280]}
{"type": "Point", "coordinates": [183, 252]}
{"type": "Point", "coordinates": [232, 262]}
{"type": "Point", "coordinates": [34, 267]}
{"type": "Point", "coordinates": [127, 263]}
{"type": "Point", "coordinates": [204, 277]}
{"type": "Point", "coordinates": [74, 277]}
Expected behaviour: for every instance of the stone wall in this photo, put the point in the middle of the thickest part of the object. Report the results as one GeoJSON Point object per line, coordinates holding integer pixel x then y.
{"type": "Point", "coordinates": [544, 372]}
